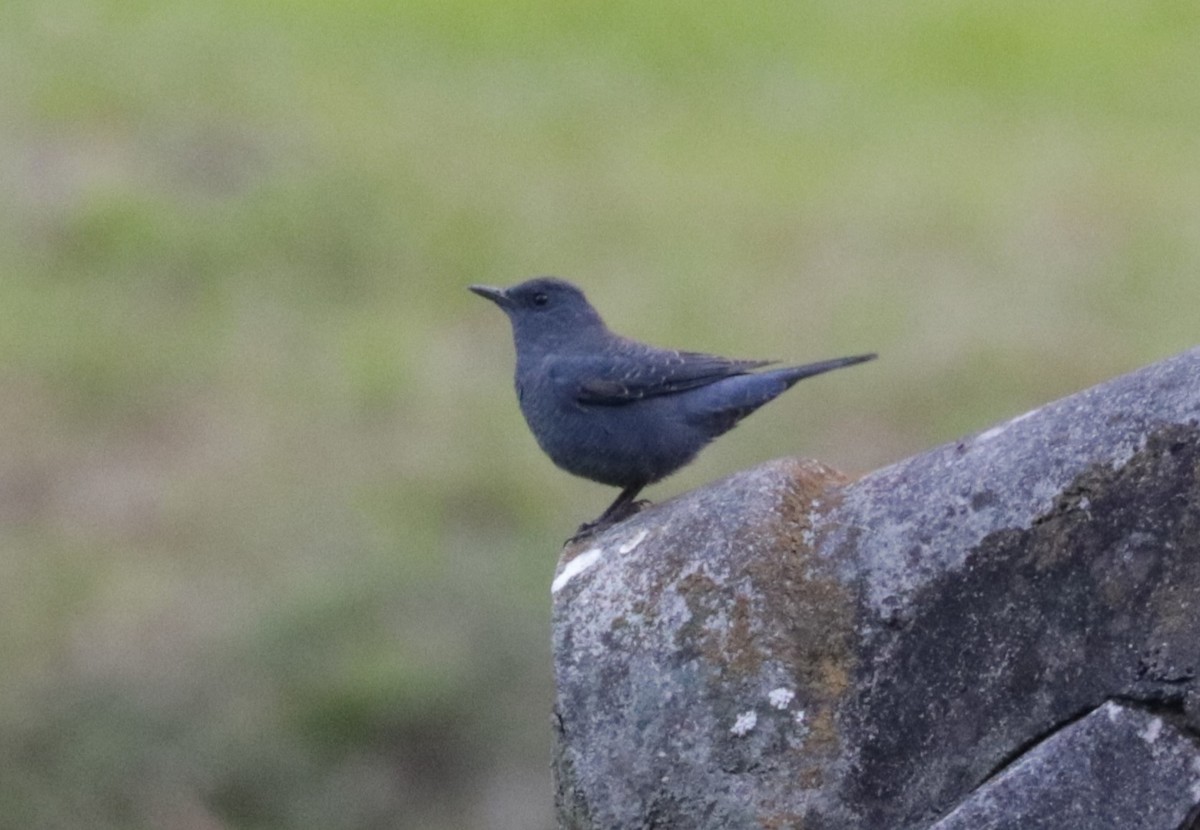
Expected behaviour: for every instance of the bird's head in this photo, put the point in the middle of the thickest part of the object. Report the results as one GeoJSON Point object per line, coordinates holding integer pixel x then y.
{"type": "Point", "coordinates": [545, 312]}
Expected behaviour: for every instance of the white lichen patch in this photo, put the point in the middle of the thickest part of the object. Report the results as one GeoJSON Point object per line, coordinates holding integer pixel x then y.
{"type": "Point", "coordinates": [1112, 710]}
{"type": "Point", "coordinates": [634, 542]}
{"type": "Point", "coordinates": [780, 698]}
{"type": "Point", "coordinates": [988, 435]}
{"type": "Point", "coordinates": [1152, 731]}
{"type": "Point", "coordinates": [800, 716]}
{"type": "Point", "coordinates": [575, 567]}
{"type": "Point", "coordinates": [744, 723]}
{"type": "Point", "coordinates": [1021, 418]}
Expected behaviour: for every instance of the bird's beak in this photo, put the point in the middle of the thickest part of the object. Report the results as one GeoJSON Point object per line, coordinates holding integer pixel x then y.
{"type": "Point", "coordinates": [497, 295]}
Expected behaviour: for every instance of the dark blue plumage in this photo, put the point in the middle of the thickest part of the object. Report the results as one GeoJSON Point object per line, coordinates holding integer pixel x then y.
{"type": "Point", "coordinates": [621, 412]}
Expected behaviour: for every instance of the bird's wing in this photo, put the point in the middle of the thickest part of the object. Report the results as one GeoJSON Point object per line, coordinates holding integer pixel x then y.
{"type": "Point", "coordinates": [632, 374]}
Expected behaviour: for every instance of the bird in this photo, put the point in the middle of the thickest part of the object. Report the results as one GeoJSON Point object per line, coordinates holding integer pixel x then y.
{"type": "Point", "coordinates": [617, 411]}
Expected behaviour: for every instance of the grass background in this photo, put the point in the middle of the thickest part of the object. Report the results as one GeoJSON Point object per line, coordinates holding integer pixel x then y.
{"type": "Point", "coordinates": [275, 545]}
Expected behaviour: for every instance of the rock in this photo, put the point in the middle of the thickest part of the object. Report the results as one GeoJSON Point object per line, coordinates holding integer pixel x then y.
{"type": "Point", "coordinates": [788, 649]}
{"type": "Point", "coordinates": [1118, 767]}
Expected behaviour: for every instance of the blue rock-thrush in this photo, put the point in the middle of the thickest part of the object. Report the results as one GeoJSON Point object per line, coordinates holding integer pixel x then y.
{"type": "Point", "coordinates": [617, 411]}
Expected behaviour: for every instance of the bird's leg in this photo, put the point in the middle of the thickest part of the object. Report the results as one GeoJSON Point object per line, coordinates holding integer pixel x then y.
{"type": "Point", "coordinates": [618, 511]}
{"type": "Point", "coordinates": [623, 507]}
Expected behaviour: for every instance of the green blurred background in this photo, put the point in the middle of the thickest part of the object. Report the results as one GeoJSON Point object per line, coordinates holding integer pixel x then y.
{"type": "Point", "coordinates": [276, 545]}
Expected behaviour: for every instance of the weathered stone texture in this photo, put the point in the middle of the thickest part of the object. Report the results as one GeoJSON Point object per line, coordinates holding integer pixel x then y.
{"type": "Point", "coordinates": [786, 649]}
{"type": "Point", "coordinates": [1117, 767]}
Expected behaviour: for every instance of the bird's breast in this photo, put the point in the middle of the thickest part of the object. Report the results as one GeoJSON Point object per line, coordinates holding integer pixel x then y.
{"type": "Point", "coordinates": [637, 442]}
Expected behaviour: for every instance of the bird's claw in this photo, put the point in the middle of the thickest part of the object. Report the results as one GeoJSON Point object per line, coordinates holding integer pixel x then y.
{"type": "Point", "coordinates": [589, 529]}
{"type": "Point", "coordinates": [586, 530]}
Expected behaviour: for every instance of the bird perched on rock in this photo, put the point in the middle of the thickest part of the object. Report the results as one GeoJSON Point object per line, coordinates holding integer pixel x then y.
{"type": "Point", "coordinates": [617, 411]}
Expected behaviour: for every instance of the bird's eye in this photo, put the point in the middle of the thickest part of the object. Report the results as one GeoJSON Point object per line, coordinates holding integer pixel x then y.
{"type": "Point", "coordinates": [540, 300]}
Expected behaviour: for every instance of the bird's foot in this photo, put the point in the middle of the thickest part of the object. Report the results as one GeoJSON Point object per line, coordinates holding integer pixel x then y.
{"type": "Point", "coordinates": [586, 530]}
{"type": "Point", "coordinates": [627, 510]}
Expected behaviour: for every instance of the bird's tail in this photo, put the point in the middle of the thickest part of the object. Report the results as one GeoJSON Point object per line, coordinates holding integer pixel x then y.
{"type": "Point", "coordinates": [792, 375]}
{"type": "Point", "coordinates": [722, 404]}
